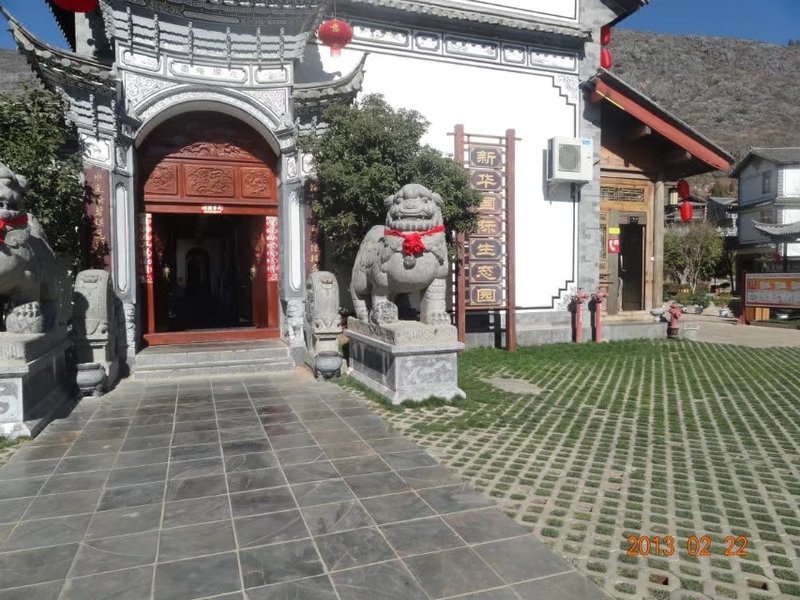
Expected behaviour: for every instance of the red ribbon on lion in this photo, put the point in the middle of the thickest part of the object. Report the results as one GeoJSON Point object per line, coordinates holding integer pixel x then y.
{"type": "Point", "coordinates": [413, 245]}
{"type": "Point", "coordinates": [20, 220]}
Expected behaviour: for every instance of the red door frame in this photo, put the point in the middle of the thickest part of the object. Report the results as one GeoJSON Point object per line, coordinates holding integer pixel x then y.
{"type": "Point", "coordinates": [248, 188]}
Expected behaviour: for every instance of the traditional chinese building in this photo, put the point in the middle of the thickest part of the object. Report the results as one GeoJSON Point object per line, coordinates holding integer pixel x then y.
{"type": "Point", "coordinates": [190, 111]}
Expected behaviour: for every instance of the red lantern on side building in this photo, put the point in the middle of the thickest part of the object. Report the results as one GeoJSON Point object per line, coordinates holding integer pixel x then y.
{"type": "Point", "coordinates": [684, 193]}
{"type": "Point", "coordinates": [683, 189]}
{"type": "Point", "coordinates": [336, 34]}
{"type": "Point", "coordinates": [605, 35]}
{"type": "Point", "coordinates": [81, 6]}
{"type": "Point", "coordinates": [606, 58]}
{"type": "Point", "coordinates": [687, 211]}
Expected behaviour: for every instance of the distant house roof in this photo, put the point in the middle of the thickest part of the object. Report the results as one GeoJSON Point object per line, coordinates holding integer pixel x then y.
{"type": "Point", "coordinates": [609, 87]}
{"type": "Point", "coordinates": [779, 156]}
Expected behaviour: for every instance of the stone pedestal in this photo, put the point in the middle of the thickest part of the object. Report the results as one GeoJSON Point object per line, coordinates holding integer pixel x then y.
{"type": "Point", "coordinates": [35, 381]}
{"type": "Point", "coordinates": [406, 360]}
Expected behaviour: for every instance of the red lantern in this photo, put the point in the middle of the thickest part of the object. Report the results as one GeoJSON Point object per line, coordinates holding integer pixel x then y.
{"type": "Point", "coordinates": [683, 189]}
{"type": "Point", "coordinates": [336, 34]}
{"type": "Point", "coordinates": [687, 211]}
{"type": "Point", "coordinates": [605, 35]}
{"type": "Point", "coordinates": [606, 58]}
{"type": "Point", "coordinates": [81, 6]}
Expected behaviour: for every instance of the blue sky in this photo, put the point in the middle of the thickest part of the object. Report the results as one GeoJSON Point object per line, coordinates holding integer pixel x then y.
{"type": "Point", "coordinates": [774, 21]}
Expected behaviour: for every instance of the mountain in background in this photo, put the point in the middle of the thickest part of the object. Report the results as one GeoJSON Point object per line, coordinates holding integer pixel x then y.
{"type": "Point", "coordinates": [738, 93]}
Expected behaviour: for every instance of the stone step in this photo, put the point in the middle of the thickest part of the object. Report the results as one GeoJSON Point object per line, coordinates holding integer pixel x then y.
{"type": "Point", "coordinates": [228, 367]}
{"type": "Point", "coordinates": [212, 359]}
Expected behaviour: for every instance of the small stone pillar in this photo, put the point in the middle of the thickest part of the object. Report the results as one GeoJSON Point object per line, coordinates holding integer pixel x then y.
{"type": "Point", "coordinates": [98, 331]}
{"type": "Point", "coordinates": [323, 325]}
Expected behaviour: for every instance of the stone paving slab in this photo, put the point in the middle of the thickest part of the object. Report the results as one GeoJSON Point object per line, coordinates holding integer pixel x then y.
{"type": "Point", "coordinates": [264, 487]}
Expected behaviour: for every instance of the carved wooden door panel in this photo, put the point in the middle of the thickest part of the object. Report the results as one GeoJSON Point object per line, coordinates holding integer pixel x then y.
{"type": "Point", "coordinates": [214, 165]}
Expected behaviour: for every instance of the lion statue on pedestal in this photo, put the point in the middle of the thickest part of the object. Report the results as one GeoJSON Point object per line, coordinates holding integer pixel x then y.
{"type": "Point", "coordinates": [28, 271]}
{"type": "Point", "coordinates": [407, 255]}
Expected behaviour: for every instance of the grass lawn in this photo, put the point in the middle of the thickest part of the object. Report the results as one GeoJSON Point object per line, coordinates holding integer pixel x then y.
{"type": "Point", "coordinates": [633, 439]}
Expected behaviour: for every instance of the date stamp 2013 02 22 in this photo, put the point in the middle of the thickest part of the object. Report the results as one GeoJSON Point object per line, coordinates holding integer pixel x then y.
{"type": "Point", "coordinates": [654, 545]}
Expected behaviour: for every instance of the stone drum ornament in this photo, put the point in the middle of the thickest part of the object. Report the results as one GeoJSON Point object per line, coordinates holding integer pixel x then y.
{"type": "Point", "coordinates": [404, 259]}
{"type": "Point", "coordinates": [323, 325]}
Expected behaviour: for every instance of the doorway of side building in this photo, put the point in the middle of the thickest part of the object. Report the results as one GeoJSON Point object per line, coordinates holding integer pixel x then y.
{"type": "Point", "coordinates": [625, 271]}
{"type": "Point", "coordinates": [208, 249]}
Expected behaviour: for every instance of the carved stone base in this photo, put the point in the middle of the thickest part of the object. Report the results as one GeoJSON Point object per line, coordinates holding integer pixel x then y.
{"type": "Point", "coordinates": [405, 372]}
{"type": "Point", "coordinates": [405, 333]}
{"type": "Point", "coordinates": [35, 386]}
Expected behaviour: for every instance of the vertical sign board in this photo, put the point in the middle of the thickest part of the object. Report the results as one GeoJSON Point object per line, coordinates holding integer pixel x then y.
{"type": "Point", "coordinates": [485, 280]}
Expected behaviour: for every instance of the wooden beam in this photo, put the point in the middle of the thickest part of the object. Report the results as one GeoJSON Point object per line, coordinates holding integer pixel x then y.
{"type": "Point", "coordinates": [639, 132]}
{"type": "Point", "coordinates": [660, 125]}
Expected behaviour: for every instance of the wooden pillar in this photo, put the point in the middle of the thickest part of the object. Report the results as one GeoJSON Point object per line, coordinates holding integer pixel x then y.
{"type": "Point", "coordinates": [660, 197]}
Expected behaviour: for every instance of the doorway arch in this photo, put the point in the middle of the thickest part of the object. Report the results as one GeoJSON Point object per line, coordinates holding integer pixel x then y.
{"type": "Point", "coordinates": [208, 194]}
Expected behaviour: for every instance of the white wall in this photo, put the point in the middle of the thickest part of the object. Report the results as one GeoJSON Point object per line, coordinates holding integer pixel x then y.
{"type": "Point", "coordinates": [790, 182]}
{"type": "Point", "coordinates": [560, 9]}
{"type": "Point", "coordinates": [488, 99]}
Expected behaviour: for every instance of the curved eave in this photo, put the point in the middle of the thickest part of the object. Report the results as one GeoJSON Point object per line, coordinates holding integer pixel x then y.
{"type": "Point", "coordinates": [56, 67]}
{"type": "Point", "coordinates": [472, 17]}
{"type": "Point", "coordinates": [317, 95]}
{"type": "Point", "coordinates": [789, 232]}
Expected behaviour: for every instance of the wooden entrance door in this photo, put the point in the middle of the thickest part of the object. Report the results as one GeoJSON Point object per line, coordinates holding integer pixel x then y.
{"type": "Point", "coordinates": [208, 245]}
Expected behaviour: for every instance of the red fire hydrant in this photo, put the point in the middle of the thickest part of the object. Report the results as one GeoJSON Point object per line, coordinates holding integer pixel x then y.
{"type": "Point", "coordinates": [597, 315]}
{"type": "Point", "coordinates": [576, 306]}
{"type": "Point", "coordinates": [674, 327]}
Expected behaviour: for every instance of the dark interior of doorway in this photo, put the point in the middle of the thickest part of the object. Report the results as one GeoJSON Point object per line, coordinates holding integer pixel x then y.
{"type": "Point", "coordinates": [632, 266]}
{"type": "Point", "coordinates": [203, 273]}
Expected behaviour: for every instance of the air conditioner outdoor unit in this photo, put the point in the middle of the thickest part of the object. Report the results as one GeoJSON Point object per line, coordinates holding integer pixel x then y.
{"type": "Point", "coordinates": [570, 160]}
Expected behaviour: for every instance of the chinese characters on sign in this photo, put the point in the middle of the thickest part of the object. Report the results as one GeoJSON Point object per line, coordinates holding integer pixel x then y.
{"type": "Point", "coordinates": [486, 272]}
{"type": "Point", "coordinates": [774, 290]}
{"type": "Point", "coordinates": [146, 240]}
{"type": "Point", "coordinates": [271, 229]}
{"type": "Point", "coordinates": [485, 278]}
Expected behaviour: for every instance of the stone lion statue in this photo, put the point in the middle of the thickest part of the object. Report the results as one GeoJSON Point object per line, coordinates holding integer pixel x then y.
{"type": "Point", "coordinates": [28, 273]}
{"type": "Point", "coordinates": [407, 255]}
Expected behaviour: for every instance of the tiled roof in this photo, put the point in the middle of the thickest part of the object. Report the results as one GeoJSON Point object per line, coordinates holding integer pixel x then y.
{"type": "Point", "coordinates": [309, 96]}
{"type": "Point", "coordinates": [780, 156]}
{"type": "Point", "coordinates": [58, 67]}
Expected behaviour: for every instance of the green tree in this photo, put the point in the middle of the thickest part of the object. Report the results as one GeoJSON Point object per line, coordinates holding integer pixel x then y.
{"type": "Point", "coordinates": [368, 152]}
{"type": "Point", "coordinates": [37, 142]}
{"type": "Point", "coordinates": [692, 253]}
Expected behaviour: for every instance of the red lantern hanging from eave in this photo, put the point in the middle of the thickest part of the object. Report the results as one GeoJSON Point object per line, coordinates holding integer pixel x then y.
{"type": "Point", "coordinates": [336, 34]}
{"type": "Point", "coordinates": [687, 211]}
{"type": "Point", "coordinates": [605, 35]}
{"type": "Point", "coordinates": [606, 58]}
{"type": "Point", "coordinates": [683, 189]}
{"type": "Point", "coordinates": [81, 6]}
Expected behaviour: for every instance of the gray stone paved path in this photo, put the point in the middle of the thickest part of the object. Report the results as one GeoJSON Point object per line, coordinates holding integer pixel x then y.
{"type": "Point", "coordinates": [725, 331]}
{"type": "Point", "coordinates": [254, 488]}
